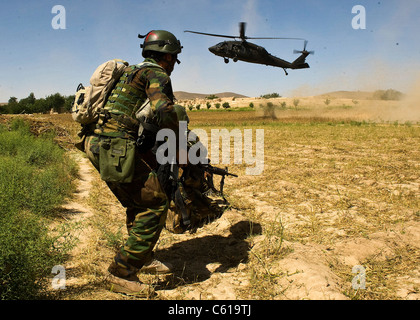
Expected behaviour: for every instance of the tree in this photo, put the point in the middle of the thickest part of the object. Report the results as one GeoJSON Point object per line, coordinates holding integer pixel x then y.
{"type": "Point", "coordinates": [27, 103]}
{"type": "Point", "coordinates": [69, 100]}
{"type": "Point", "coordinates": [296, 103]}
{"type": "Point", "coordinates": [55, 101]}
{"type": "Point", "coordinates": [270, 95]}
{"type": "Point", "coordinates": [12, 105]}
{"type": "Point", "coordinates": [226, 105]}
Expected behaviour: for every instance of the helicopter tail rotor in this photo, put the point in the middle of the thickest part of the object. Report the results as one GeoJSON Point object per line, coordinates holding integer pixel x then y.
{"type": "Point", "coordinates": [304, 49]}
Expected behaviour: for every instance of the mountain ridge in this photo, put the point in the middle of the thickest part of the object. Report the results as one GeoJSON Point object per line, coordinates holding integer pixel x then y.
{"type": "Point", "coordinates": [183, 95]}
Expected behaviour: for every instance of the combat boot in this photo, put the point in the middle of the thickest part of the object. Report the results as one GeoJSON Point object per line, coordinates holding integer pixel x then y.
{"type": "Point", "coordinates": [125, 281]}
{"type": "Point", "coordinates": [156, 267]}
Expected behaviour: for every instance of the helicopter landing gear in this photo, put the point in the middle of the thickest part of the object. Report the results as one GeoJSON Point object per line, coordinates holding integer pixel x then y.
{"type": "Point", "coordinates": [226, 60]}
{"type": "Point", "coordinates": [285, 71]}
{"type": "Point", "coordinates": [235, 59]}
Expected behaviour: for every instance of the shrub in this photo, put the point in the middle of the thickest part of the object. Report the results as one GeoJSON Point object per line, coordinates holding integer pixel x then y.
{"type": "Point", "coordinates": [270, 95]}
{"type": "Point", "coordinates": [389, 94]}
{"type": "Point", "coordinates": [269, 110]}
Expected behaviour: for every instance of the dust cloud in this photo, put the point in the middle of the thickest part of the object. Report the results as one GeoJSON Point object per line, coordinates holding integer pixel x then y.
{"type": "Point", "coordinates": [365, 83]}
{"type": "Point", "coordinates": [409, 108]}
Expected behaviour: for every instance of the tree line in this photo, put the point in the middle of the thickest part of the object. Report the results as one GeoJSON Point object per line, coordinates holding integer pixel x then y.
{"type": "Point", "coordinates": [55, 102]}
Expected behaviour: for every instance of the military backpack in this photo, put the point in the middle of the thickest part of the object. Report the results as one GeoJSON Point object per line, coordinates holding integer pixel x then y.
{"type": "Point", "coordinates": [89, 100]}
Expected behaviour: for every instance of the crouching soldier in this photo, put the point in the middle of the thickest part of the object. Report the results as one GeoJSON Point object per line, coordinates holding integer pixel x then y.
{"type": "Point", "coordinates": [125, 160]}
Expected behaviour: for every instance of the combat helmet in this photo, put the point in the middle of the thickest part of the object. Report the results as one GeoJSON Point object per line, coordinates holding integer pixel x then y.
{"type": "Point", "coordinates": [160, 41]}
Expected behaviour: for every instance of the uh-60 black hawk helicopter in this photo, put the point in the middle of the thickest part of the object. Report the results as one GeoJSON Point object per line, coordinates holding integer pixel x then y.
{"type": "Point", "coordinates": [250, 52]}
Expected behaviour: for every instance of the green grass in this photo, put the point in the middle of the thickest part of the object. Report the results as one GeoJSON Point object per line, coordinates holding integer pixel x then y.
{"type": "Point", "coordinates": [35, 178]}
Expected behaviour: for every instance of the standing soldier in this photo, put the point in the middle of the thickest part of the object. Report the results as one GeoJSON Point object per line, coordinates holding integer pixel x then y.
{"type": "Point", "coordinates": [122, 154]}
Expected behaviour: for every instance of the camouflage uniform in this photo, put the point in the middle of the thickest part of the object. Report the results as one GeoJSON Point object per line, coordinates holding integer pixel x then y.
{"type": "Point", "coordinates": [201, 204]}
{"type": "Point", "coordinates": [145, 202]}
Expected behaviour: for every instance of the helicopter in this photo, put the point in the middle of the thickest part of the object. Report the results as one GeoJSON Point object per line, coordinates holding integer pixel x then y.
{"type": "Point", "coordinates": [250, 52]}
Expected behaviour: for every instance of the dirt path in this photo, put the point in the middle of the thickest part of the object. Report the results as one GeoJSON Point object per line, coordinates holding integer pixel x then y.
{"type": "Point", "coordinates": [79, 213]}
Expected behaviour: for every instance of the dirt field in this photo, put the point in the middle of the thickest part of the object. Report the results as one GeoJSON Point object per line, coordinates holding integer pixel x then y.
{"type": "Point", "coordinates": [338, 201]}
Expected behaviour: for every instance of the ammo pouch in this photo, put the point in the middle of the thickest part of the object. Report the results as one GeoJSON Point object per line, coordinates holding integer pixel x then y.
{"type": "Point", "coordinates": [117, 160]}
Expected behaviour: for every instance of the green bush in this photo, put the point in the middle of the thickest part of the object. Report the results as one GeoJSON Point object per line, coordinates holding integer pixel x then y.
{"type": "Point", "coordinates": [35, 177]}
{"type": "Point", "coordinates": [270, 95]}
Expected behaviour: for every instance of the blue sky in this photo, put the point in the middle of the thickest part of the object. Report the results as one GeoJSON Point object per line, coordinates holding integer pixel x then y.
{"type": "Point", "coordinates": [37, 58]}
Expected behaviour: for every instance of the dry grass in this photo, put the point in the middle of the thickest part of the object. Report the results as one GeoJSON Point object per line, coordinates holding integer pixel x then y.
{"type": "Point", "coordinates": [329, 182]}
{"type": "Point", "coordinates": [338, 190]}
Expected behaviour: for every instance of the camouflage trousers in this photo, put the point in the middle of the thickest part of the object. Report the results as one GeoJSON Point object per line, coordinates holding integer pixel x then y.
{"type": "Point", "coordinates": [146, 208]}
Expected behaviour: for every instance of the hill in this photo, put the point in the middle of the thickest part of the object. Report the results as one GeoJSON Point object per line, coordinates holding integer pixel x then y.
{"type": "Point", "coordinates": [182, 95]}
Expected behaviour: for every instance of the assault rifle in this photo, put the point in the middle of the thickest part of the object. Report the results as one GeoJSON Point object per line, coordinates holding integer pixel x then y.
{"type": "Point", "coordinates": [218, 171]}
{"type": "Point", "coordinates": [168, 175]}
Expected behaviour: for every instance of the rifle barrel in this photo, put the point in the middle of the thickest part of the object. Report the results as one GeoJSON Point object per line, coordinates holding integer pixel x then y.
{"type": "Point", "coordinates": [220, 171]}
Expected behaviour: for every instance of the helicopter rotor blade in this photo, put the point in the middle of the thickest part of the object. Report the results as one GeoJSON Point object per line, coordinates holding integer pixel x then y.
{"type": "Point", "coordinates": [242, 30]}
{"type": "Point", "coordinates": [242, 26]}
{"type": "Point", "coordinates": [211, 34]}
{"type": "Point", "coordinates": [274, 38]}
{"type": "Point", "coordinates": [309, 52]}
